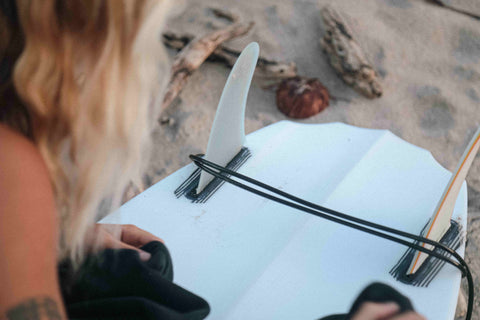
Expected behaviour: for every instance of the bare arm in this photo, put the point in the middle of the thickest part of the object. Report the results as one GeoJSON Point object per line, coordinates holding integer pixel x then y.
{"type": "Point", "coordinates": [28, 234]}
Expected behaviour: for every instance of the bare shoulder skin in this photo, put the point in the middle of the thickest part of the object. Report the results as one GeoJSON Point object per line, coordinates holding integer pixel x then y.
{"type": "Point", "coordinates": [28, 233]}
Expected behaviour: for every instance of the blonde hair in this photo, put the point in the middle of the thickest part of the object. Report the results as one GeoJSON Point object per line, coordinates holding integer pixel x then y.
{"type": "Point", "coordinates": [88, 77]}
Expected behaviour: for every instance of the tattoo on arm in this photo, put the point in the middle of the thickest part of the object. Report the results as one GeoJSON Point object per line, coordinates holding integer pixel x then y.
{"type": "Point", "coordinates": [43, 308]}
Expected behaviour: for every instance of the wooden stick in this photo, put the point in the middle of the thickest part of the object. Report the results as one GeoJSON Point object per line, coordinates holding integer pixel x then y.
{"type": "Point", "coordinates": [346, 56]}
{"type": "Point", "coordinates": [219, 13]}
{"type": "Point", "coordinates": [455, 8]}
{"type": "Point", "coordinates": [266, 70]}
{"type": "Point", "coordinates": [195, 53]}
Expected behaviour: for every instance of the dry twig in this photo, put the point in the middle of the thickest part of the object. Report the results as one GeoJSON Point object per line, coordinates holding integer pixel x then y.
{"type": "Point", "coordinates": [195, 53]}
{"type": "Point", "coordinates": [219, 13]}
{"type": "Point", "coordinates": [266, 70]}
{"type": "Point", "coordinates": [456, 8]}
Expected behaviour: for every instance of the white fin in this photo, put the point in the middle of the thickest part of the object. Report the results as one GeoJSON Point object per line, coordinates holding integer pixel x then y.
{"type": "Point", "coordinates": [440, 221]}
{"type": "Point", "coordinates": [228, 132]}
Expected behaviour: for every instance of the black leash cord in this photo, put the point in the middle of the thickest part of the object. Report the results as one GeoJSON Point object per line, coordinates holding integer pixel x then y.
{"type": "Point", "coordinates": [337, 217]}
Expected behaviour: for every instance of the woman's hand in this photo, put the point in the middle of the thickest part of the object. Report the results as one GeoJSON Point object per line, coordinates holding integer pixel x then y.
{"type": "Point", "coordinates": [129, 237]}
{"type": "Point", "coordinates": [384, 311]}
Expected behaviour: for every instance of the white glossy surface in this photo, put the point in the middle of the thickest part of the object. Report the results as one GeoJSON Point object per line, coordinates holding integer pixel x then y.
{"type": "Point", "coordinates": [253, 259]}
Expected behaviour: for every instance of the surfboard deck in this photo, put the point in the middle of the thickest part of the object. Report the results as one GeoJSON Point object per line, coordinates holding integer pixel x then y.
{"type": "Point", "coordinates": [251, 258]}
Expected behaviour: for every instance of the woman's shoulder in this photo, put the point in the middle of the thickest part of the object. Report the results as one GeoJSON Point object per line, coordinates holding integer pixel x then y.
{"type": "Point", "coordinates": [18, 152]}
{"type": "Point", "coordinates": [28, 226]}
{"type": "Point", "coordinates": [11, 140]}
{"type": "Point", "coordinates": [22, 169]}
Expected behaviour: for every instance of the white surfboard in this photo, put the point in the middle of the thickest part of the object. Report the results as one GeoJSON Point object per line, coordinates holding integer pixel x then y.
{"type": "Point", "coordinates": [251, 258]}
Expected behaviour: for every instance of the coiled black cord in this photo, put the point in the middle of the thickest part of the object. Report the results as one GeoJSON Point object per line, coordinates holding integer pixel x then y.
{"type": "Point", "coordinates": [341, 218]}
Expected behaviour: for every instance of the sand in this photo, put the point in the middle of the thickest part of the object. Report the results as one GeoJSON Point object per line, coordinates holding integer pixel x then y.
{"type": "Point", "coordinates": [428, 58]}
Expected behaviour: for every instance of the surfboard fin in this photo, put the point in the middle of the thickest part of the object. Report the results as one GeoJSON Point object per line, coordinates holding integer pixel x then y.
{"type": "Point", "coordinates": [417, 267]}
{"type": "Point", "coordinates": [431, 266]}
{"type": "Point", "coordinates": [227, 136]}
{"type": "Point", "coordinates": [189, 187]}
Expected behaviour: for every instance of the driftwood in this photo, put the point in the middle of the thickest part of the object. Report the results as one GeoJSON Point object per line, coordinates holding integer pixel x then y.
{"type": "Point", "coordinates": [267, 70]}
{"type": "Point", "coordinates": [461, 7]}
{"type": "Point", "coordinates": [219, 13]}
{"type": "Point", "coordinates": [195, 53]}
{"type": "Point", "coordinates": [346, 56]}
